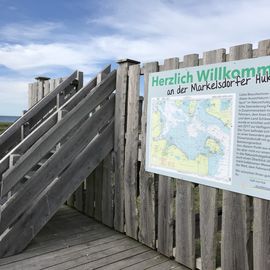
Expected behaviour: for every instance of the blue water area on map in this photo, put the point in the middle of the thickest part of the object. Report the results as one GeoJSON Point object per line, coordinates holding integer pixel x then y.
{"type": "Point", "coordinates": [225, 104]}
{"type": "Point", "coordinates": [176, 132]}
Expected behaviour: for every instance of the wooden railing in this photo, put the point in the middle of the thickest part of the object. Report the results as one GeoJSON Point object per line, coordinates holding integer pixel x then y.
{"type": "Point", "coordinates": [58, 160]}
{"type": "Point", "coordinates": [40, 112]}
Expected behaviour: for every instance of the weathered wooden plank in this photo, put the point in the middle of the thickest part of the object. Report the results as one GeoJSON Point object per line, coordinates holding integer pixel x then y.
{"type": "Point", "coordinates": [89, 189]}
{"type": "Point", "coordinates": [98, 192]}
{"type": "Point", "coordinates": [132, 260]}
{"type": "Point", "coordinates": [148, 215]}
{"type": "Point", "coordinates": [107, 191]}
{"type": "Point", "coordinates": [148, 263]}
{"type": "Point", "coordinates": [261, 228]}
{"type": "Point", "coordinates": [5, 137]}
{"type": "Point", "coordinates": [185, 216]}
{"type": "Point", "coordinates": [40, 93]}
{"type": "Point", "coordinates": [46, 87]}
{"type": "Point", "coordinates": [208, 197]}
{"type": "Point", "coordinates": [63, 261]}
{"type": "Point", "coordinates": [168, 265]}
{"type": "Point", "coordinates": [66, 254]}
{"type": "Point", "coordinates": [131, 152]}
{"type": "Point", "coordinates": [98, 173]}
{"type": "Point", "coordinates": [78, 198]}
{"type": "Point", "coordinates": [90, 195]}
{"type": "Point", "coordinates": [119, 139]}
{"type": "Point", "coordinates": [30, 92]}
{"type": "Point", "coordinates": [35, 94]}
{"type": "Point", "coordinates": [61, 129]}
{"type": "Point", "coordinates": [166, 191]}
{"type": "Point", "coordinates": [57, 193]}
{"type": "Point", "coordinates": [107, 257]}
{"type": "Point", "coordinates": [57, 163]}
{"type": "Point", "coordinates": [236, 211]}
{"type": "Point", "coordinates": [185, 224]}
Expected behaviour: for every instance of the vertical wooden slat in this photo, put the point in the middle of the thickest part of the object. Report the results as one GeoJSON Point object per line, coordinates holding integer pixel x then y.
{"type": "Point", "coordinates": [119, 140]}
{"type": "Point", "coordinates": [236, 210]}
{"type": "Point", "coordinates": [166, 190]}
{"type": "Point", "coordinates": [98, 173]}
{"type": "Point", "coordinates": [78, 199]}
{"type": "Point", "coordinates": [107, 191]}
{"type": "Point", "coordinates": [46, 87]}
{"type": "Point", "coordinates": [40, 93]}
{"type": "Point", "coordinates": [185, 216]}
{"type": "Point", "coordinates": [261, 226]}
{"type": "Point", "coordinates": [107, 175]}
{"type": "Point", "coordinates": [147, 233]}
{"type": "Point", "coordinates": [208, 197]}
{"type": "Point", "coordinates": [98, 191]}
{"type": "Point", "coordinates": [30, 95]}
{"type": "Point", "coordinates": [52, 84]}
{"type": "Point", "coordinates": [131, 152]}
{"type": "Point", "coordinates": [90, 195]}
{"type": "Point", "coordinates": [34, 93]}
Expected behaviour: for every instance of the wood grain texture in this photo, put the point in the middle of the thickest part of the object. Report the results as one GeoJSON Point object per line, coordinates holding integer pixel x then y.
{"type": "Point", "coordinates": [166, 189]}
{"type": "Point", "coordinates": [148, 215]}
{"type": "Point", "coordinates": [119, 141]}
{"type": "Point", "coordinates": [208, 197]}
{"type": "Point", "coordinates": [236, 222]}
{"type": "Point", "coordinates": [98, 192]}
{"type": "Point", "coordinates": [61, 129]}
{"type": "Point", "coordinates": [185, 216]}
{"type": "Point", "coordinates": [261, 228]}
{"type": "Point", "coordinates": [131, 152]}
{"type": "Point", "coordinates": [56, 194]}
{"type": "Point", "coordinates": [56, 164]}
{"type": "Point", "coordinates": [90, 195]}
{"type": "Point", "coordinates": [99, 170]}
{"type": "Point", "coordinates": [108, 191]}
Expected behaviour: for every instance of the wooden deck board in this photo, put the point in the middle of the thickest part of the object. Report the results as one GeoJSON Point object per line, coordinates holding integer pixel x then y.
{"type": "Point", "coordinates": [73, 241]}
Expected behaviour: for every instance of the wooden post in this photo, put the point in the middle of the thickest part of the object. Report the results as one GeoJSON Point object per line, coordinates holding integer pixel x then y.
{"type": "Point", "coordinates": [131, 152]}
{"type": "Point", "coordinates": [236, 212]}
{"type": "Point", "coordinates": [148, 215]}
{"type": "Point", "coordinates": [119, 140]}
{"type": "Point", "coordinates": [185, 216]}
{"type": "Point", "coordinates": [261, 226]}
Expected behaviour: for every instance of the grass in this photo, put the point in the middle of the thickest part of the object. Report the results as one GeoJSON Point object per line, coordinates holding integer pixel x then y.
{"type": "Point", "coordinates": [4, 126]}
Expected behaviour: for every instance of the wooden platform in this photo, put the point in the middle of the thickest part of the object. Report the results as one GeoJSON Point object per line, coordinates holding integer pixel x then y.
{"type": "Point", "coordinates": [73, 241]}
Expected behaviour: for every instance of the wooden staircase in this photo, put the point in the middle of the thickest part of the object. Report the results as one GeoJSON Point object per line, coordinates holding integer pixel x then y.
{"type": "Point", "coordinates": [48, 152]}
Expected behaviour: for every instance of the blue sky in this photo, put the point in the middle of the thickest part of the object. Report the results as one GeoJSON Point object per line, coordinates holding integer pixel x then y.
{"type": "Point", "coordinates": [53, 38]}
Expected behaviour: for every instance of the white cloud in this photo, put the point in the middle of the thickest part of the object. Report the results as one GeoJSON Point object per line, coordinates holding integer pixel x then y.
{"type": "Point", "coordinates": [28, 31]}
{"type": "Point", "coordinates": [142, 30]}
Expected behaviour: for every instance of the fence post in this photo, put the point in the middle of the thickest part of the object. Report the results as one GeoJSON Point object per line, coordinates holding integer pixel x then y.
{"type": "Point", "coordinates": [236, 215]}
{"type": "Point", "coordinates": [147, 233]}
{"type": "Point", "coordinates": [119, 139]}
{"type": "Point", "coordinates": [131, 152]}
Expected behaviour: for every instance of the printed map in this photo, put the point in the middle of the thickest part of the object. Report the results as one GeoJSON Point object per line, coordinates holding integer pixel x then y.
{"type": "Point", "coordinates": [193, 135]}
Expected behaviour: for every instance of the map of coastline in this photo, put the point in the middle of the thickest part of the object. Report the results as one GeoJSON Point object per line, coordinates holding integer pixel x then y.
{"type": "Point", "coordinates": [193, 135]}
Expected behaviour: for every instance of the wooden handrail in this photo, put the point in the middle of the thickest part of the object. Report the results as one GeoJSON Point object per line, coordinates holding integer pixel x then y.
{"type": "Point", "coordinates": [57, 132]}
{"type": "Point", "coordinates": [11, 136]}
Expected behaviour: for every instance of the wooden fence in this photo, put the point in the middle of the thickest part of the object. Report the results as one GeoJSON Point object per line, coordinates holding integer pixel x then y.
{"type": "Point", "coordinates": [197, 225]}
